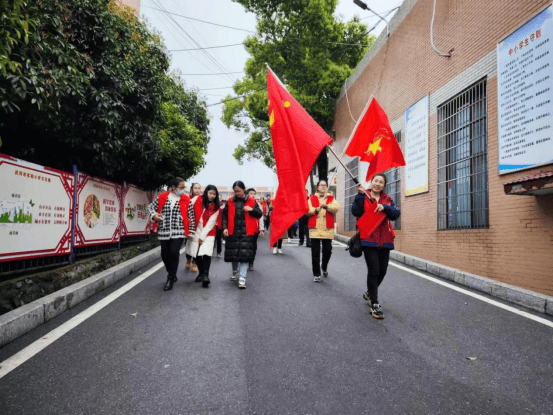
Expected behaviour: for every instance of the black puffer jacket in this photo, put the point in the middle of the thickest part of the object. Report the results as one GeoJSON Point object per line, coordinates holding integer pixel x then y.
{"type": "Point", "coordinates": [239, 247]}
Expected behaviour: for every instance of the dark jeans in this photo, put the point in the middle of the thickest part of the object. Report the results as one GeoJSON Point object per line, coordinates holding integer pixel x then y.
{"type": "Point", "coordinates": [203, 262]}
{"type": "Point", "coordinates": [170, 253]}
{"type": "Point", "coordinates": [304, 232]}
{"type": "Point", "coordinates": [219, 241]}
{"type": "Point", "coordinates": [278, 244]}
{"type": "Point", "coordinates": [377, 265]}
{"type": "Point", "coordinates": [255, 237]}
{"type": "Point", "coordinates": [316, 255]}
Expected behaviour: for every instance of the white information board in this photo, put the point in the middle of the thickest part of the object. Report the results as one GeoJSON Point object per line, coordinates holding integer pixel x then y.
{"type": "Point", "coordinates": [98, 211]}
{"type": "Point", "coordinates": [35, 210]}
{"type": "Point", "coordinates": [525, 95]}
{"type": "Point", "coordinates": [135, 212]}
{"type": "Point", "coordinates": [416, 147]}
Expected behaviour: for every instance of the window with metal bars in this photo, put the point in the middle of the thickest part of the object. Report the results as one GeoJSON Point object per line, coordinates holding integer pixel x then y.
{"type": "Point", "coordinates": [351, 192]}
{"type": "Point", "coordinates": [393, 186]}
{"type": "Point", "coordinates": [463, 160]}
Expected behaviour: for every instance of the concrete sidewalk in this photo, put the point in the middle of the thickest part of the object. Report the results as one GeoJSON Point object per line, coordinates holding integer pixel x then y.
{"type": "Point", "coordinates": [530, 299]}
{"type": "Point", "coordinates": [25, 318]}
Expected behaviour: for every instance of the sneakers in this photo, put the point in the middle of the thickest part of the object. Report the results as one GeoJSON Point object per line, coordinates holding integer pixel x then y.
{"type": "Point", "coordinates": [289, 241]}
{"type": "Point", "coordinates": [250, 267]}
{"type": "Point", "coordinates": [377, 311]}
{"type": "Point", "coordinates": [317, 279]}
{"type": "Point", "coordinates": [367, 298]}
{"type": "Point", "coordinates": [274, 251]}
{"type": "Point", "coordinates": [242, 283]}
{"type": "Point", "coordinates": [218, 255]}
{"type": "Point", "coordinates": [280, 251]}
{"type": "Point", "coordinates": [234, 276]}
{"type": "Point", "coordinates": [325, 274]}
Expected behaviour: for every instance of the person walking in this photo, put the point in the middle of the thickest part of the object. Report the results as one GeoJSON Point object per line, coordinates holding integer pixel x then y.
{"type": "Point", "coordinates": [239, 227]}
{"type": "Point", "coordinates": [303, 227]}
{"type": "Point", "coordinates": [322, 210]}
{"type": "Point", "coordinates": [377, 245]}
{"type": "Point", "coordinates": [195, 190]}
{"type": "Point", "coordinates": [266, 211]}
{"type": "Point", "coordinates": [173, 223]}
{"type": "Point", "coordinates": [206, 212]}
{"type": "Point", "coordinates": [219, 226]}
{"type": "Point", "coordinates": [260, 229]}
{"type": "Point", "coordinates": [277, 247]}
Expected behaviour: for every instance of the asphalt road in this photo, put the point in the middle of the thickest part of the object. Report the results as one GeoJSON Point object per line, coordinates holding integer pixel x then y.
{"type": "Point", "coordinates": [286, 345]}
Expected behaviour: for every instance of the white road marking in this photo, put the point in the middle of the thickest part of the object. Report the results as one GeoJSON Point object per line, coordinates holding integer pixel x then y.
{"type": "Point", "coordinates": [28, 352]}
{"type": "Point", "coordinates": [477, 296]}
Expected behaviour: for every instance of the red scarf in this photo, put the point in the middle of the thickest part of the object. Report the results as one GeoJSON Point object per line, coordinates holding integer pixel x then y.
{"type": "Point", "coordinates": [329, 216]}
{"type": "Point", "coordinates": [251, 224]}
{"type": "Point", "coordinates": [183, 203]}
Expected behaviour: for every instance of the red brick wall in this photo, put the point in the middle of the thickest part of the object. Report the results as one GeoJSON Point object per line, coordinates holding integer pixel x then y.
{"type": "Point", "coordinates": [517, 246]}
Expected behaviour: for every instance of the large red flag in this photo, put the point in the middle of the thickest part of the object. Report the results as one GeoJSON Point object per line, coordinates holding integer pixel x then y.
{"type": "Point", "coordinates": [374, 142]}
{"type": "Point", "coordinates": [297, 142]}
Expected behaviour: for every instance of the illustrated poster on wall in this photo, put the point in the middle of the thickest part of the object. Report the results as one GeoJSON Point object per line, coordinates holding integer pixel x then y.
{"type": "Point", "coordinates": [35, 210]}
{"type": "Point", "coordinates": [98, 211]}
{"type": "Point", "coordinates": [416, 147]}
{"type": "Point", "coordinates": [525, 95]}
{"type": "Point", "coordinates": [135, 212]}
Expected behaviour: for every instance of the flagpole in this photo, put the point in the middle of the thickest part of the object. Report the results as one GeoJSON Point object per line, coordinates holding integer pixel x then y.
{"type": "Point", "coordinates": [343, 165]}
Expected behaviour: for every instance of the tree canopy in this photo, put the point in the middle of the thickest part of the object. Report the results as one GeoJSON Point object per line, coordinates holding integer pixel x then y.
{"type": "Point", "coordinates": [311, 50]}
{"type": "Point", "coordinates": [84, 82]}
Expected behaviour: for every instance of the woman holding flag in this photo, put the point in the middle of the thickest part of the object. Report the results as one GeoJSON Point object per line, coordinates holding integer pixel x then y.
{"type": "Point", "coordinates": [322, 210]}
{"type": "Point", "coordinates": [375, 210]}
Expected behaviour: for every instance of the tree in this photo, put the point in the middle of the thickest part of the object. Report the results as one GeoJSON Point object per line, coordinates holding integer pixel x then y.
{"type": "Point", "coordinates": [311, 50]}
{"type": "Point", "coordinates": [93, 89]}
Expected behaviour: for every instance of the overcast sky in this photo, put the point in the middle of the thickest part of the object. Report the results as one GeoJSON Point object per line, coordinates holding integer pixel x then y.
{"type": "Point", "coordinates": [221, 168]}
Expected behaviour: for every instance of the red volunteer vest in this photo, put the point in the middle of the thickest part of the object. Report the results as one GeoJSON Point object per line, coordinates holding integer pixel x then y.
{"type": "Point", "coordinates": [183, 204]}
{"type": "Point", "coordinates": [384, 233]}
{"type": "Point", "coordinates": [204, 214]}
{"type": "Point", "coordinates": [329, 216]}
{"type": "Point", "coordinates": [251, 224]}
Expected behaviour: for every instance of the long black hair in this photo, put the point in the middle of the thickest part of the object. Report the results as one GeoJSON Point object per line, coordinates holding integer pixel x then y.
{"type": "Point", "coordinates": [205, 199]}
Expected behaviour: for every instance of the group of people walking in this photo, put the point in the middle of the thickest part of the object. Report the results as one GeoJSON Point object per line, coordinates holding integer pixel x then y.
{"type": "Point", "coordinates": [202, 219]}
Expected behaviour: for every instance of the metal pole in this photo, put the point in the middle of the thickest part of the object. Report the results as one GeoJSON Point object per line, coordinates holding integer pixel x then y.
{"type": "Point", "coordinates": [72, 255]}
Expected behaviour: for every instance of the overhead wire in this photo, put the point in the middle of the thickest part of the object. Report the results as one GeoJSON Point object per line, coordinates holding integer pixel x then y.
{"type": "Point", "coordinates": [208, 47]}
{"type": "Point", "coordinates": [224, 71]}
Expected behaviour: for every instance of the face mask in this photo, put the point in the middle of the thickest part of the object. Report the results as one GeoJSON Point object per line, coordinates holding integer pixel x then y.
{"type": "Point", "coordinates": [180, 192]}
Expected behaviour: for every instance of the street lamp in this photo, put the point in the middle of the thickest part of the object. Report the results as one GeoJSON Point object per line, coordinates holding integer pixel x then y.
{"type": "Point", "coordinates": [365, 7]}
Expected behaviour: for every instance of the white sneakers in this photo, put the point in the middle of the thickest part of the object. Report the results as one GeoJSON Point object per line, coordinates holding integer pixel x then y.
{"type": "Point", "coordinates": [242, 283]}
{"type": "Point", "coordinates": [280, 251]}
{"type": "Point", "coordinates": [275, 251]}
{"type": "Point", "coordinates": [317, 279]}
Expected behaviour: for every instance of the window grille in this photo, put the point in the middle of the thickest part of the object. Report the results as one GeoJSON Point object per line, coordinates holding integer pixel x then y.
{"type": "Point", "coordinates": [462, 160]}
{"type": "Point", "coordinates": [351, 192]}
{"type": "Point", "coordinates": [393, 189]}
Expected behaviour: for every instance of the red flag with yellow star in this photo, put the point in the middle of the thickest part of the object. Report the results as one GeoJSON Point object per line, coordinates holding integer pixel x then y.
{"type": "Point", "coordinates": [375, 143]}
{"type": "Point", "coordinates": [297, 142]}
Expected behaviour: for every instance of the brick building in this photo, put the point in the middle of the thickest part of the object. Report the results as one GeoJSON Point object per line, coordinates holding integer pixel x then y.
{"type": "Point", "coordinates": [468, 207]}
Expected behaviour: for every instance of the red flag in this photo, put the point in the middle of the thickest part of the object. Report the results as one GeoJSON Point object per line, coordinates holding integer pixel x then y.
{"type": "Point", "coordinates": [374, 142]}
{"type": "Point", "coordinates": [297, 142]}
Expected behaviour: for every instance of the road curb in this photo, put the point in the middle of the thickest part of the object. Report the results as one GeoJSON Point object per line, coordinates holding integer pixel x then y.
{"type": "Point", "coordinates": [530, 299]}
{"type": "Point", "coordinates": [20, 321]}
